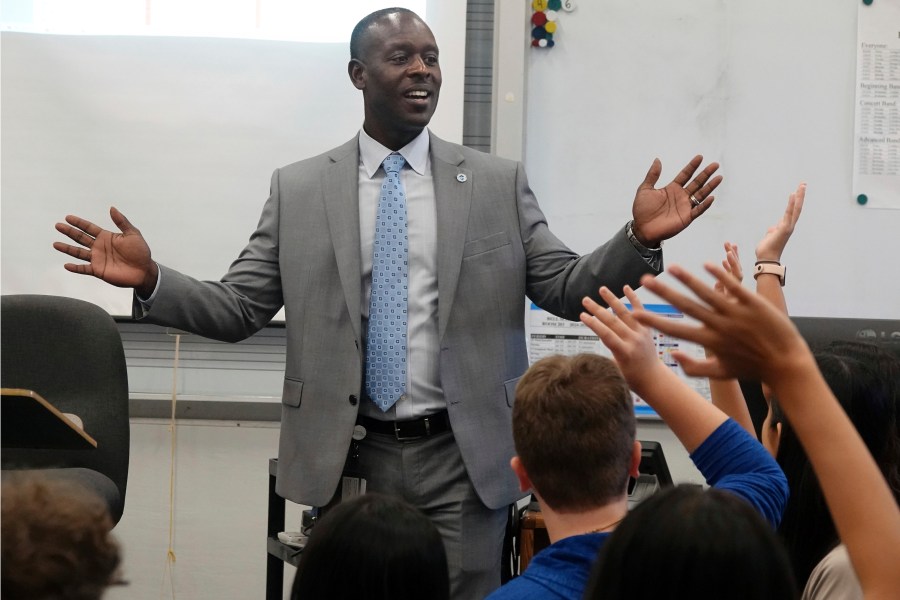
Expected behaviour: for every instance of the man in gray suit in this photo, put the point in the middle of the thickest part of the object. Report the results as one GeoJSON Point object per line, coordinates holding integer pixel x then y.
{"type": "Point", "coordinates": [477, 245]}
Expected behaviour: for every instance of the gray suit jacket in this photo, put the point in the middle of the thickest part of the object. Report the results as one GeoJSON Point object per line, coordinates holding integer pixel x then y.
{"type": "Point", "coordinates": [494, 247]}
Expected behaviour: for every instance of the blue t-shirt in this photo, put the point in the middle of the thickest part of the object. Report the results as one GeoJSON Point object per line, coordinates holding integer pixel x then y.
{"type": "Point", "coordinates": [730, 459]}
{"type": "Point", "coordinates": [560, 570]}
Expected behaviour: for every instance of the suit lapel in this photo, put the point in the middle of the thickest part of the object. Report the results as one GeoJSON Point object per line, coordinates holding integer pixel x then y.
{"type": "Point", "coordinates": [453, 199]}
{"type": "Point", "coordinates": [341, 196]}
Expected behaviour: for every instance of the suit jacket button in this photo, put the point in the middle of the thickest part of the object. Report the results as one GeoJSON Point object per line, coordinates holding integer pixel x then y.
{"type": "Point", "coordinates": [353, 400]}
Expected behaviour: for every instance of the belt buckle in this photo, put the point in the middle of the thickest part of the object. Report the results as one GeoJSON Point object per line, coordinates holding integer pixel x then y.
{"type": "Point", "coordinates": [411, 438]}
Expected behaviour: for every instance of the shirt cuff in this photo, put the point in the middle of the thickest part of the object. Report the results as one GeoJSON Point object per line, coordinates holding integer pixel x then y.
{"type": "Point", "coordinates": [146, 303]}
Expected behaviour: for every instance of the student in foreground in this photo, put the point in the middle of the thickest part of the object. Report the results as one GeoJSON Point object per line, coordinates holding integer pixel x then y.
{"type": "Point", "coordinates": [749, 337]}
{"type": "Point", "coordinates": [685, 542]}
{"type": "Point", "coordinates": [574, 431]}
{"type": "Point", "coordinates": [373, 547]}
{"type": "Point", "coordinates": [57, 541]}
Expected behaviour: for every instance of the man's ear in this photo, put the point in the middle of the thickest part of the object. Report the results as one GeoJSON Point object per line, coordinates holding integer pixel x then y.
{"type": "Point", "coordinates": [519, 469]}
{"type": "Point", "coordinates": [357, 72]}
{"type": "Point", "coordinates": [634, 467]}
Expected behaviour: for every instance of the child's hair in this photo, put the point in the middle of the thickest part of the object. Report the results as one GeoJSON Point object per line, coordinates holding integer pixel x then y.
{"type": "Point", "coordinates": [684, 542]}
{"type": "Point", "coordinates": [866, 381]}
{"type": "Point", "coordinates": [57, 542]}
{"type": "Point", "coordinates": [574, 426]}
{"type": "Point", "coordinates": [373, 547]}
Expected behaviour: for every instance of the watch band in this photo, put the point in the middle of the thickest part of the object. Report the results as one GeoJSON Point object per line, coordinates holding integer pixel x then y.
{"type": "Point", "coordinates": [770, 268]}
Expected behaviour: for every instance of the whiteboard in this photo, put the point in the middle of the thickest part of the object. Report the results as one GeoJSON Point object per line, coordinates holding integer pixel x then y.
{"type": "Point", "coordinates": [180, 134]}
{"type": "Point", "coordinates": [765, 88]}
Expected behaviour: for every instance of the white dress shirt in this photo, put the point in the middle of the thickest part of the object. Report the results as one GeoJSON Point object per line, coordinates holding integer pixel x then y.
{"type": "Point", "coordinates": [423, 387]}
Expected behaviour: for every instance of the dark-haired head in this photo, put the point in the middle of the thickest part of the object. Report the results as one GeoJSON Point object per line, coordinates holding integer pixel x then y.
{"type": "Point", "coordinates": [373, 547]}
{"type": "Point", "coordinates": [684, 542]}
{"type": "Point", "coordinates": [865, 379]}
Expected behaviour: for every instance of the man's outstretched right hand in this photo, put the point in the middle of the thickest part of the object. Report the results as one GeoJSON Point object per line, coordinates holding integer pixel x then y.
{"type": "Point", "coordinates": [121, 259]}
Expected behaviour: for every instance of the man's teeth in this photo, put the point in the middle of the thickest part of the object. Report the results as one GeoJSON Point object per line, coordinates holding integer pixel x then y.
{"type": "Point", "coordinates": [417, 94]}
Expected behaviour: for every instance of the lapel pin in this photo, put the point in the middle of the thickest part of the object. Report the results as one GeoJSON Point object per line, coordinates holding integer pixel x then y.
{"type": "Point", "coordinates": [461, 177]}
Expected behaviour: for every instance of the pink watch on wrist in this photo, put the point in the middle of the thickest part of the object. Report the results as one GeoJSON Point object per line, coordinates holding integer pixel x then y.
{"type": "Point", "coordinates": [770, 267]}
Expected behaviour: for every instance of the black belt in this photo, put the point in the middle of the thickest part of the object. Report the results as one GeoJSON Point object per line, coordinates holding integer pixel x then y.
{"type": "Point", "coordinates": [408, 431]}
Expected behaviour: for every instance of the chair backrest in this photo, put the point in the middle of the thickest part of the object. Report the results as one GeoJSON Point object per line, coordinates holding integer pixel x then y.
{"type": "Point", "coordinates": [70, 352]}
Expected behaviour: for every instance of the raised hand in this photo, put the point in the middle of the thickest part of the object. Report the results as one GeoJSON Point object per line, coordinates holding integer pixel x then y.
{"type": "Point", "coordinates": [121, 259]}
{"type": "Point", "coordinates": [630, 342]}
{"type": "Point", "coordinates": [777, 236]}
{"type": "Point", "coordinates": [731, 264]}
{"type": "Point", "coordinates": [689, 415]}
{"type": "Point", "coordinates": [726, 394]}
{"type": "Point", "coordinates": [750, 337]}
{"type": "Point", "coordinates": [662, 213]}
{"type": "Point", "coordinates": [742, 330]}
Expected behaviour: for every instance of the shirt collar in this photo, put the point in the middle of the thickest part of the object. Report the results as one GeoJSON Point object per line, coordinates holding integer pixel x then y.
{"type": "Point", "coordinates": [372, 153]}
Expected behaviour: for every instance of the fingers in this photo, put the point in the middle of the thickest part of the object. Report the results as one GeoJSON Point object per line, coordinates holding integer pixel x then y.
{"type": "Point", "coordinates": [613, 326]}
{"type": "Point", "coordinates": [700, 190]}
{"type": "Point", "coordinates": [685, 174]}
{"type": "Point", "coordinates": [601, 321]}
{"type": "Point", "coordinates": [704, 183]}
{"type": "Point", "coordinates": [618, 307]}
{"type": "Point", "coordinates": [632, 297]}
{"type": "Point", "coordinates": [120, 221]}
{"type": "Point", "coordinates": [76, 234]}
{"type": "Point", "coordinates": [652, 175]}
{"type": "Point", "coordinates": [792, 210]}
{"type": "Point", "coordinates": [795, 205]}
{"type": "Point", "coordinates": [705, 293]}
{"type": "Point", "coordinates": [704, 205]}
{"type": "Point", "coordinates": [732, 262]}
{"type": "Point", "coordinates": [74, 251]}
{"type": "Point", "coordinates": [705, 188]}
{"type": "Point", "coordinates": [673, 327]}
{"type": "Point", "coordinates": [81, 269]}
{"type": "Point", "coordinates": [611, 320]}
{"type": "Point", "coordinates": [82, 224]}
{"type": "Point", "coordinates": [685, 304]}
{"type": "Point", "coordinates": [715, 315]}
{"type": "Point", "coordinates": [694, 367]}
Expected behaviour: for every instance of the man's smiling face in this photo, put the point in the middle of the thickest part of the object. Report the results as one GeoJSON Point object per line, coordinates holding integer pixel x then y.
{"type": "Point", "coordinates": [400, 77]}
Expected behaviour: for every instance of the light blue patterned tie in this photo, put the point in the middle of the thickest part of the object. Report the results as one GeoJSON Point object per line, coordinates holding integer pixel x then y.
{"type": "Point", "coordinates": [386, 348]}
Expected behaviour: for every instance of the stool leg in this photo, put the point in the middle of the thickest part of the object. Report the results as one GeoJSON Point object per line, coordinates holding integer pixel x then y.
{"type": "Point", "coordinates": [274, 564]}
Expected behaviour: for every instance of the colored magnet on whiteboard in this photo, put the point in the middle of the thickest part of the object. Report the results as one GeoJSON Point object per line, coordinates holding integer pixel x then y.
{"type": "Point", "coordinates": [538, 19]}
{"type": "Point", "coordinates": [550, 27]}
{"type": "Point", "coordinates": [862, 199]}
{"type": "Point", "coordinates": [554, 4]}
{"type": "Point", "coordinates": [552, 15]}
{"type": "Point", "coordinates": [539, 4]}
{"type": "Point", "coordinates": [539, 33]}
{"type": "Point", "coordinates": [542, 43]}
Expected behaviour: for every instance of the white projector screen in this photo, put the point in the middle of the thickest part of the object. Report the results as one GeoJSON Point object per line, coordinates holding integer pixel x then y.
{"type": "Point", "coordinates": [181, 134]}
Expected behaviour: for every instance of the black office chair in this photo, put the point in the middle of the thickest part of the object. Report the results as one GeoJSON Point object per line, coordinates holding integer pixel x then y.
{"type": "Point", "coordinates": [69, 351]}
